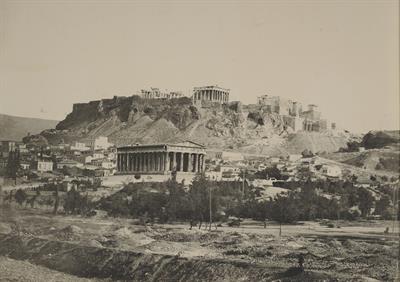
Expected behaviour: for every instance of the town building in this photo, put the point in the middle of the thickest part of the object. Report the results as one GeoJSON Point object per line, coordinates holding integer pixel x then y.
{"type": "Point", "coordinates": [212, 93]}
{"type": "Point", "coordinates": [332, 171]}
{"type": "Point", "coordinates": [80, 146]}
{"type": "Point", "coordinates": [185, 157]}
{"type": "Point", "coordinates": [98, 143]}
{"type": "Point", "coordinates": [69, 163]}
{"type": "Point", "coordinates": [8, 146]}
{"type": "Point", "coordinates": [226, 156]}
{"type": "Point", "coordinates": [44, 165]}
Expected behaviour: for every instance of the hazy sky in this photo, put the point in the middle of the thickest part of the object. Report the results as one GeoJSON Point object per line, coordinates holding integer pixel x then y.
{"type": "Point", "coordinates": [340, 55]}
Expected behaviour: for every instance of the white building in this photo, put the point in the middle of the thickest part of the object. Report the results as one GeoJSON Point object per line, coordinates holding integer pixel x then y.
{"type": "Point", "coordinates": [69, 163]}
{"type": "Point", "coordinates": [108, 165]}
{"type": "Point", "coordinates": [101, 143]}
{"type": "Point", "coordinates": [295, 157]}
{"type": "Point", "coordinates": [79, 146]}
{"type": "Point", "coordinates": [98, 155]}
{"type": "Point", "coordinates": [332, 170]}
{"type": "Point", "coordinates": [44, 165]}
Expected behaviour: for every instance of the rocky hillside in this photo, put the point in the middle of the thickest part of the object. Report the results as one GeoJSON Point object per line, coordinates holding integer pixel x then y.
{"type": "Point", "coordinates": [15, 128]}
{"type": "Point", "coordinates": [129, 120]}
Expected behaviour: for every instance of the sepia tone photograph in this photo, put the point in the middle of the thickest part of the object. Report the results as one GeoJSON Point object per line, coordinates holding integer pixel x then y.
{"type": "Point", "coordinates": [221, 141]}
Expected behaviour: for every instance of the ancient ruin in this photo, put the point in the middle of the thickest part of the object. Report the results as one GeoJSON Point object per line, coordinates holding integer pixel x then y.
{"type": "Point", "coordinates": [185, 157]}
{"type": "Point", "coordinates": [212, 93]}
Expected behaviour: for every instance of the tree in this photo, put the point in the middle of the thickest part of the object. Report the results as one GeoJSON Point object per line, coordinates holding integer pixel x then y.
{"type": "Point", "coordinates": [177, 206]}
{"type": "Point", "coordinates": [56, 199]}
{"type": "Point", "coordinates": [199, 199]}
{"type": "Point", "coordinates": [13, 165]}
{"type": "Point", "coordinates": [283, 209]}
{"type": "Point", "coordinates": [270, 172]}
{"type": "Point", "coordinates": [75, 203]}
{"type": "Point", "coordinates": [20, 196]}
{"type": "Point", "coordinates": [382, 207]}
{"type": "Point", "coordinates": [366, 201]}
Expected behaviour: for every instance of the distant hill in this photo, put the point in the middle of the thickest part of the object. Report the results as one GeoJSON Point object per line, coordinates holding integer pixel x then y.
{"type": "Point", "coordinates": [130, 120]}
{"type": "Point", "coordinates": [382, 154]}
{"type": "Point", "coordinates": [15, 128]}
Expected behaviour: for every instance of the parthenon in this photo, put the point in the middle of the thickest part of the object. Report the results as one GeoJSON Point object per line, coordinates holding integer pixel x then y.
{"type": "Point", "coordinates": [186, 157]}
{"type": "Point", "coordinates": [211, 93]}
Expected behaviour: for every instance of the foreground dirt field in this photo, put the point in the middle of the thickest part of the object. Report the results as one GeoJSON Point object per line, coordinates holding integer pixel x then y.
{"type": "Point", "coordinates": [355, 251]}
{"type": "Point", "coordinates": [22, 271]}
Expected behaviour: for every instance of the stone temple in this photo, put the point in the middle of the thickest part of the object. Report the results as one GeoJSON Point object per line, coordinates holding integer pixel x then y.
{"type": "Point", "coordinates": [212, 93]}
{"type": "Point", "coordinates": [184, 158]}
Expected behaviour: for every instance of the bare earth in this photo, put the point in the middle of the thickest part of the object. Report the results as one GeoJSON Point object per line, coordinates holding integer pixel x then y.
{"type": "Point", "coordinates": [22, 271]}
{"type": "Point", "coordinates": [359, 250]}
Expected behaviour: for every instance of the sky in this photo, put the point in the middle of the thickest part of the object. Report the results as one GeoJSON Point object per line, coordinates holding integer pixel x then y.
{"type": "Point", "coordinates": [341, 55]}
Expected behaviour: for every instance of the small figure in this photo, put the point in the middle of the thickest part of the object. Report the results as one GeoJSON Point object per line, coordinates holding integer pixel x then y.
{"type": "Point", "coordinates": [301, 262]}
{"type": "Point", "coordinates": [386, 230]}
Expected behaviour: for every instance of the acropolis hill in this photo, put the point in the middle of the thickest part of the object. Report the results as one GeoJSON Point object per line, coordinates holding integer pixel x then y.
{"type": "Point", "coordinates": [272, 126]}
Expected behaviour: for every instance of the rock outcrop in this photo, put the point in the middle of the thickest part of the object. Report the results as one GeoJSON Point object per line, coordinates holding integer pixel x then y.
{"type": "Point", "coordinates": [129, 120]}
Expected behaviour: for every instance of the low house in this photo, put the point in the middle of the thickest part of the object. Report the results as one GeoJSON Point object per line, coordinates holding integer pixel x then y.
{"type": "Point", "coordinates": [108, 164]}
{"type": "Point", "coordinates": [214, 175]}
{"type": "Point", "coordinates": [44, 165]}
{"type": "Point", "coordinates": [230, 172]}
{"type": "Point", "coordinates": [331, 170]}
{"type": "Point", "coordinates": [98, 155]}
{"type": "Point", "coordinates": [294, 157]}
{"type": "Point", "coordinates": [274, 160]}
{"type": "Point", "coordinates": [69, 163]}
{"type": "Point", "coordinates": [78, 146]}
{"type": "Point", "coordinates": [25, 166]}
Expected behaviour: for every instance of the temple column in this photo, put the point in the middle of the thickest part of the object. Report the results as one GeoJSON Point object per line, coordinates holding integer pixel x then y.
{"type": "Point", "coordinates": [143, 161]}
{"type": "Point", "coordinates": [195, 162]}
{"type": "Point", "coordinates": [137, 162]}
{"type": "Point", "coordinates": [174, 161]}
{"type": "Point", "coordinates": [159, 162]}
{"type": "Point", "coordinates": [181, 163]}
{"type": "Point", "coordinates": [146, 161]}
{"type": "Point", "coordinates": [153, 161]}
{"type": "Point", "coordinates": [156, 163]}
{"type": "Point", "coordinates": [162, 168]}
{"type": "Point", "coordinates": [198, 163]}
{"type": "Point", "coordinates": [190, 163]}
{"type": "Point", "coordinates": [166, 161]}
{"type": "Point", "coordinates": [202, 163]}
